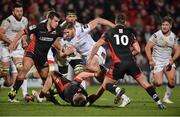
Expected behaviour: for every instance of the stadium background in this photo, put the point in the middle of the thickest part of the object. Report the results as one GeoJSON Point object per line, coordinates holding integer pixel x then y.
{"type": "Point", "coordinates": [143, 16]}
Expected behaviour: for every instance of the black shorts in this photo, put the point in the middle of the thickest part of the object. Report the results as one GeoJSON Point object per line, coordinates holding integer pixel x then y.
{"type": "Point", "coordinates": [39, 61]}
{"type": "Point", "coordinates": [118, 70]}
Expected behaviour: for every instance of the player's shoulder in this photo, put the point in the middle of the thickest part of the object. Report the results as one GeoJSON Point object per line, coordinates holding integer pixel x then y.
{"type": "Point", "coordinates": [24, 18]}
{"type": "Point", "coordinates": [173, 34]}
{"type": "Point", "coordinates": [158, 34]}
{"type": "Point", "coordinates": [9, 19]}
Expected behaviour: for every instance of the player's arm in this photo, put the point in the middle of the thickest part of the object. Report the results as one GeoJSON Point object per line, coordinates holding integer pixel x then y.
{"type": "Point", "coordinates": [96, 47]}
{"type": "Point", "coordinates": [84, 75]}
{"type": "Point", "coordinates": [57, 44]}
{"type": "Point", "coordinates": [4, 26]}
{"type": "Point", "coordinates": [148, 48]}
{"type": "Point", "coordinates": [136, 48]}
{"type": "Point", "coordinates": [24, 41]}
{"type": "Point", "coordinates": [100, 21]}
{"type": "Point", "coordinates": [150, 44]}
{"type": "Point", "coordinates": [176, 54]}
{"type": "Point", "coordinates": [93, 97]}
{"type": "Point", "coordinates": [13, 45]}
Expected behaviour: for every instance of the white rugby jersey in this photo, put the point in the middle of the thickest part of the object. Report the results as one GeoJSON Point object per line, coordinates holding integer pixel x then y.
{"type": "Point", "coordinates": [13, 26]}
{"type": "Point", "coordinates": [163, 45]}
{"type": "Point", "coordinates": [82, 40]}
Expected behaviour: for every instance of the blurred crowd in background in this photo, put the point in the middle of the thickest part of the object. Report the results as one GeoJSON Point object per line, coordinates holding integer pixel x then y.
{"type": "Point", "coordinates": [143, 16]}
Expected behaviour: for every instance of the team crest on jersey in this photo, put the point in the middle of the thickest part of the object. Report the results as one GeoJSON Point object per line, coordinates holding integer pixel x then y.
{"type": "Point", "coordinates": [171, 39]}
{"type": "Point", "coordinates": [32, 27]}
{"type": "Point", "coordinates": [53, 32]}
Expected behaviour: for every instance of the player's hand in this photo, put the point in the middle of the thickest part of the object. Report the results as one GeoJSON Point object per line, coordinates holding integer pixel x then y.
{"type": "Point", "coordinates": [69, 50]}
{"type": "Point", "coordinates": [12, 47]}
{"type": "Point", "coordinates": [24, 44]}
{"type": "Point", "coordinates": [171, 61]}
{"type": "Point", "coordinates": [151, 63]}
{"type": "Point", "coordinates": [167, 67]}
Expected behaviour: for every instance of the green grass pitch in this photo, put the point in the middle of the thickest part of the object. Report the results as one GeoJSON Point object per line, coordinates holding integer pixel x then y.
{"type": "Point", "coordinates": [141, 105]}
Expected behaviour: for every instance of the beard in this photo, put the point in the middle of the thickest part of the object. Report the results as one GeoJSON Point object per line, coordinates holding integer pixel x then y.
{"type": "Point", "coordinates": [18, 18]}
{"type": "Point", "coordinates": [165, 32]}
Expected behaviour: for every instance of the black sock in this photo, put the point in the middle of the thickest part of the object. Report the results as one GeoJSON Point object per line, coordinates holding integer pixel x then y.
{"type": "Point", "coordinates": [42, 94]}
{"type": "Point", "coordinates": [151, 91]}
{"type": "Point", "coordinates": [171, 86]}
{"type": "Point", "coordinates": [111, 88]}
{"type": "Point", "coordinates": [17, 84]}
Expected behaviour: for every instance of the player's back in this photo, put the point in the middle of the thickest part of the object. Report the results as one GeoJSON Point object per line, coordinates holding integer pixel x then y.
{"type": "Point", "coordinates": [120, 40]}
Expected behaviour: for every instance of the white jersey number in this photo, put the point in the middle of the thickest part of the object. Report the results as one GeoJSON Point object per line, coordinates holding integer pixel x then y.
{"type": "Point", "coordinates": [123, 39]}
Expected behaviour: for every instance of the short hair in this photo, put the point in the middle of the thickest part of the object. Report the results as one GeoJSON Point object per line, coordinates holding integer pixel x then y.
{"type": "Point", "coordinates": [49, 11]}
{"type": "Point", "coordinates": [53, 14]}
{"type": "Point", "coordinates": [17, 4]}
{"type": "Point", "coordinates": [71, 12]}
{"type": "Point", "coordinates": [120, 19]}
{"type": "Point", "coordinates": [79, 99]}
{"type": "Point", "coordinates": [168, 19]}
{"type": "Point", "coordinates": [68, 25]}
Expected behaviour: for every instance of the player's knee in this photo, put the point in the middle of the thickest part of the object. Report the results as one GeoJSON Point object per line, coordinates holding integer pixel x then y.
{"type": "Point", "coordinates": [172, 82]}
{"type": "Point", "coordinates": [107, 86]}
{"type": "Point", "coordinates": [19, 66]}
{"type": "Point", "coordinates": [158, 84]}
{"type": "Point", "coordinates": [79, 68]}
{"type": "Point", "coordinates": [4, 71]}
{"type": "Point", "coordinates": [7, 84]}
{"type": "Point", "coordinates": [21, 76]}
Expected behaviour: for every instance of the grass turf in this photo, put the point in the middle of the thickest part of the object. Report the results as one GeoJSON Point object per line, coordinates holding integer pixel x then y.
{"type": "Point", "coordinates": [141, 105]}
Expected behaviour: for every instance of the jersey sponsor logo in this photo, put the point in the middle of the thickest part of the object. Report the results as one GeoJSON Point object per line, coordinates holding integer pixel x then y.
{"type": "Point", "coordinates": [32, 27]}
{"type": "Point", "coordinates": [46, 39]}
{"type": "Point", "coordinates": [53, 32]}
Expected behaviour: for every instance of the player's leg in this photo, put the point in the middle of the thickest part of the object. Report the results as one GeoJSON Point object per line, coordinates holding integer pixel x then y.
{"type": "Point", "coordinates": [27, 64]}
{"type": "Point", "coordinates": [44, 72]}
{"type": "Point", "coordinates": [136, 73]}
{"type": "Point", "coordinates": [19, 66]}
{"type": "Point", "coordinates": [5, 63]}
{"type": "Point", "coordinates": [171, 75]}
{"type": "Point", "coordinates": [150, 90]}
{"type": "Point", "coordinates": [158, 78]}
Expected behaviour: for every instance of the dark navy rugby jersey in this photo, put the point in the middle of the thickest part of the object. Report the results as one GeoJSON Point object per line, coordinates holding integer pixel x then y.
{"type": "Point", "coordinates": [120, 40]}
{"type": "Point", "coordinates": [42, 39]}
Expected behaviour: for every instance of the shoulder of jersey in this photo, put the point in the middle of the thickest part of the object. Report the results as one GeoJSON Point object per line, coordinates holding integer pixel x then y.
{"type": "Point", "coordinates": [157, 34]}
{"type": "Point", "coordinates": [9, 19]}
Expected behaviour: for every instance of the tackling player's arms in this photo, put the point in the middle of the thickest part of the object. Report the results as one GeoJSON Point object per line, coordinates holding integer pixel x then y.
{"type": "Point", "coordinates": [96, 47]}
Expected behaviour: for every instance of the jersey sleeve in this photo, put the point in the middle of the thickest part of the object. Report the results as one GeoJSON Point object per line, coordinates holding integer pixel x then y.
{"type": "Point", "coordinates": [59, 31]}
{"type": "Point", "coordinates": [106, 35]}
{"type": "Point", "coordinates": [26, 22]}
{"type": "Point", "coordinates": [153, 38]}
{"type": "Point", "coordinates": [31, 29]}
{"type": "Point", "coordinates": [5, 24]}
{"type": "Point", "coordinates": [83, 30]}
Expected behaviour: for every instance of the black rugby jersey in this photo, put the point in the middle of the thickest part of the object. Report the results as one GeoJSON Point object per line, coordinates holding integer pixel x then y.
{"type": "Point", "coordinates": [120, 40]}
{"type": "Point", "coordinates": [42, 39]}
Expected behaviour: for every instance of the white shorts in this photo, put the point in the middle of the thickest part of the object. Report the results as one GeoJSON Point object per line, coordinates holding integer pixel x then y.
{"type": "Point", "coordinates": [50, 56]}
{"type": "Point", "coordinates": [160, 65]}
{"type": "Point", "coordinates": [101, 56]}
{"type": "Point", "coordinates": [0, 52]}
{"type": "Point", "coordinates": [6, 55]}
{"type": "Point", "coordinates": [12, 67]}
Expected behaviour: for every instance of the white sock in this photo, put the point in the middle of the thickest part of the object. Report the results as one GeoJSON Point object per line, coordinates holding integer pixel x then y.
{"type": "Point", "coordinates": [118, 89]}
{"type": "Point", "coordinates": [24, 88]}
{"type": "Point", "coordinates": [168, 92]}
{"type": "Point", "coordinates": [158, 102]}
{"type": "Point", "coordinates": [124, 97]}
{"type": "Point", "coordinates": [83, 83]}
